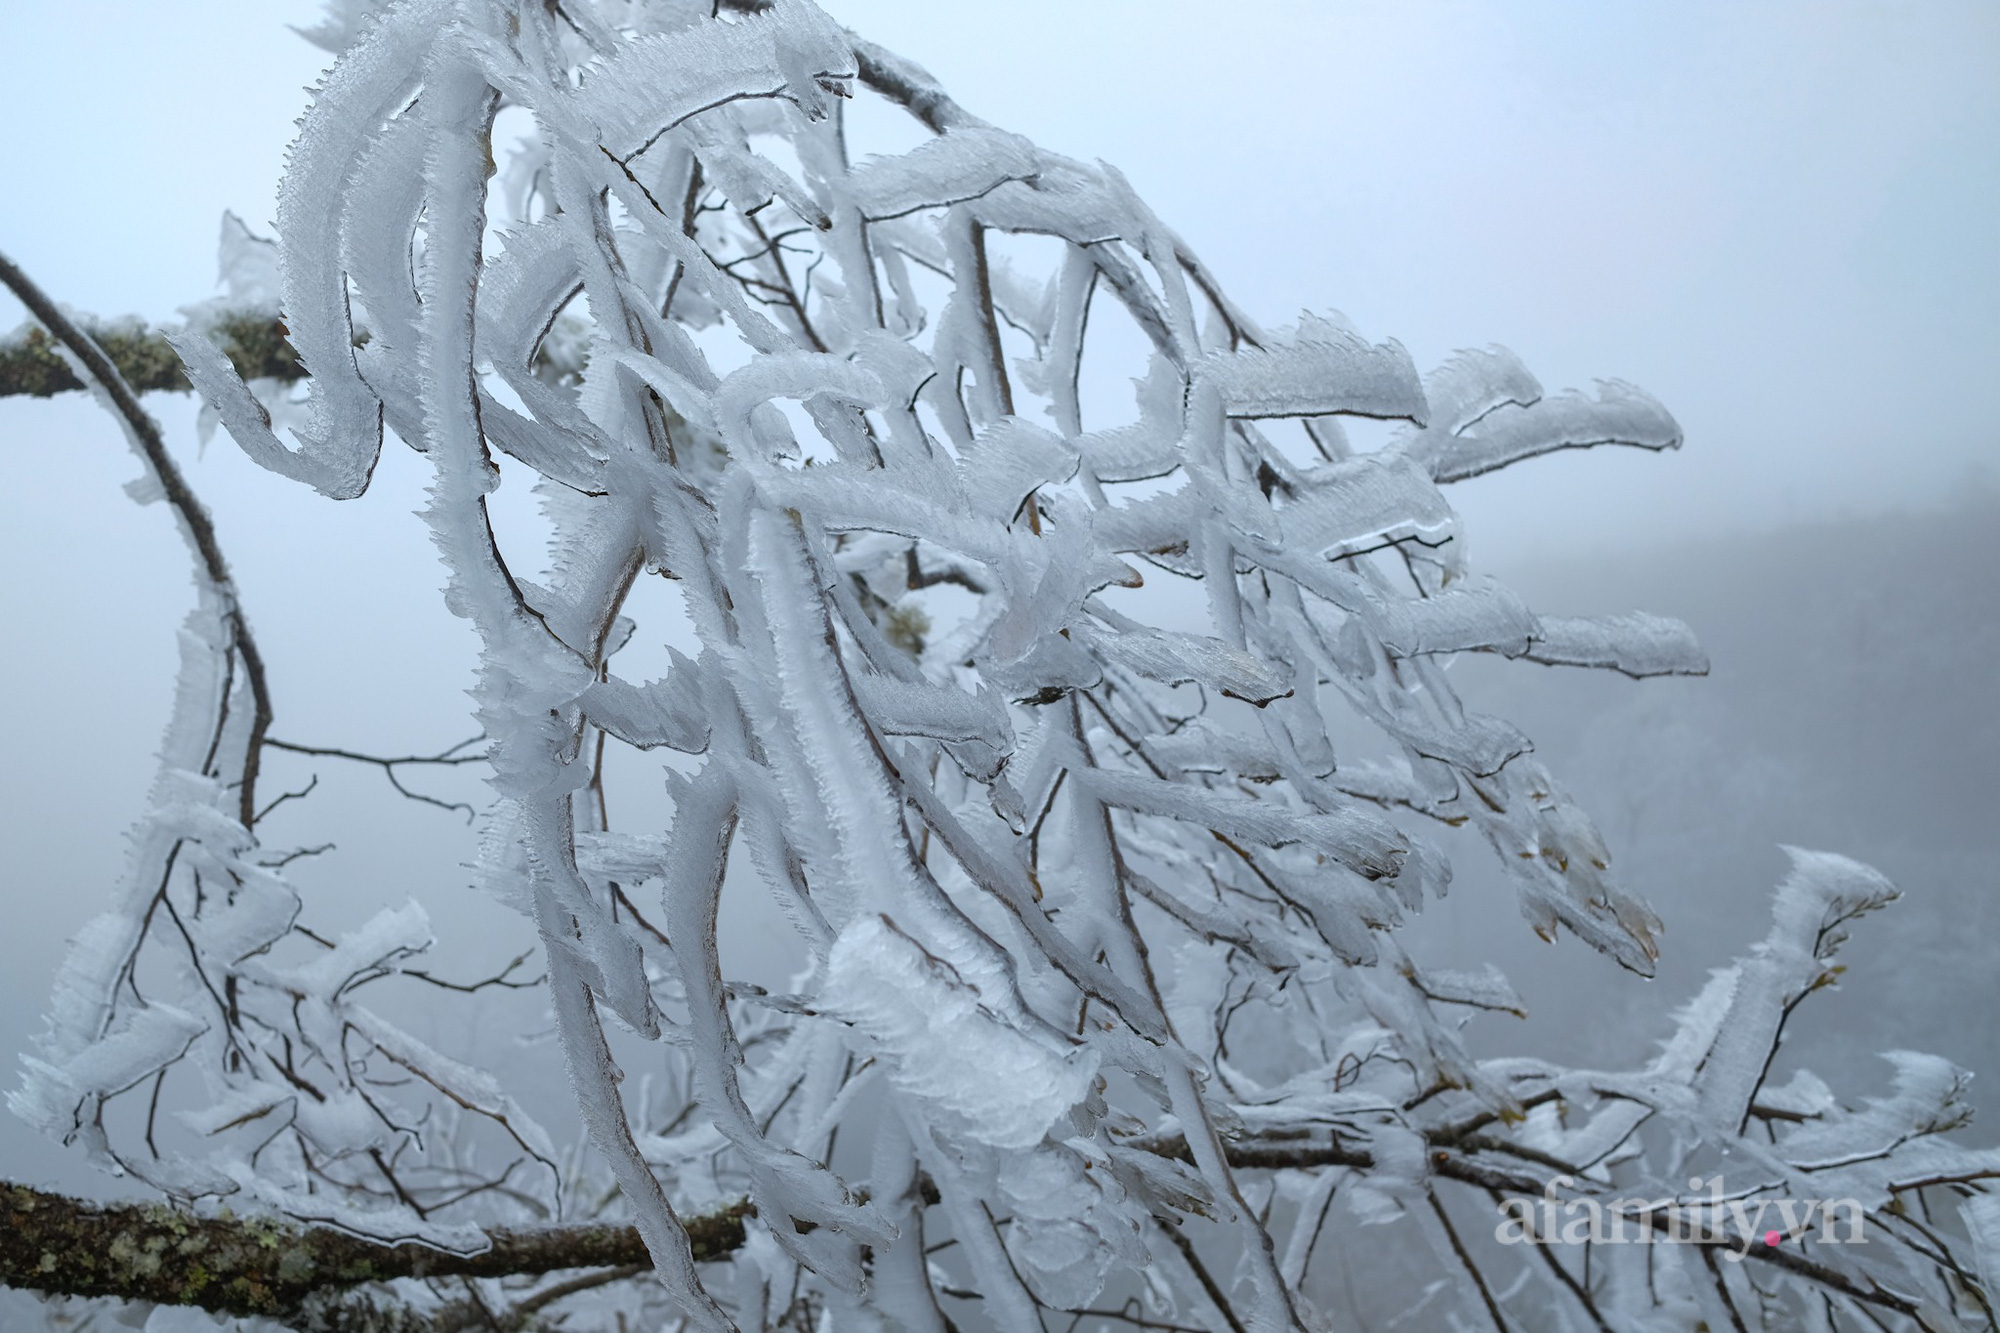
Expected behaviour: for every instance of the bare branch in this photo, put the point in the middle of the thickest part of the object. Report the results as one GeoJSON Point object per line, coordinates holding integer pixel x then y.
{"type": "Point", "coordinates": [196, 525]}
{"type": "Point", "coordinates": [264, 1266]}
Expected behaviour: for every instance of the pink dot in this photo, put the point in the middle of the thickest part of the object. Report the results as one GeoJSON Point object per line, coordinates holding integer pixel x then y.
{"type": "Point", "coordinates": [1771, 1238]}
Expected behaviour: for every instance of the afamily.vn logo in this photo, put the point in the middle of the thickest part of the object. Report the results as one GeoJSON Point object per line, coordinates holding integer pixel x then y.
{"type": "Point", "coordinates": [1739, 1223]}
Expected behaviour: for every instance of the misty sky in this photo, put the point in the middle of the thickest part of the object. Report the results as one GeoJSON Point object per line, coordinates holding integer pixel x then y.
{"type": "Point", "coordinates": [1776, 217]}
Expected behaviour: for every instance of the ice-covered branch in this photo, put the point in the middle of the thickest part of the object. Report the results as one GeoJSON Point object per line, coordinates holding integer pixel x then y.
{"type": "Point", "coordinates": [1025, 723]}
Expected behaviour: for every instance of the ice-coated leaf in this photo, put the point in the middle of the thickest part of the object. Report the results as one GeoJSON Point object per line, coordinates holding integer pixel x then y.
{"type": "Point", "coordinates": [369, 85]}
{"type": "Point", "coordinates": [1317, 370]}
{"type": "Point", "coordinates": [146, 1040]}
{"type": "Point", "coordinates": [1486, 988]}
{"type": "Point", "coordinates": [1927, 1096]}
{"type": "Point", "coordinates": [1202, 748]}
{"type": "Point", "coordinates": [385, 938]}
{"type": "Point", "coordinates": [1981, 1215]}
{"type": "Point", "coordinates": [983, 1078]}
{"type": "Point", "coordinates": [1823, 891]}
{"type": "Point", "coordinates": [1633, 642]}
{"type": "Point", "coordinates": [1465, 388]}
{"type": "Point", "coordinates": [1007, 461]}
{"type": "Point", "coordinates": [1620, 414]}
{"type": "Point", "coordinates": [905, 708]}
{"type": "Point", "coordinates": [660, 712]}
{"type": "Point", "coordinates": [1363, 842]}
{"type": "Point", "coordinates": [665, 78]}
{"type": "Point", "coordinates": [1171, 658]}
{"type": "Point", "coordinates": [1072, 1227]}
{"type": "Point", "coordinates": [1475, 613]}
{"type": "Point", "coordinates": [1363, 504]}
{"type": "Point", "coordinates": [956, 166]}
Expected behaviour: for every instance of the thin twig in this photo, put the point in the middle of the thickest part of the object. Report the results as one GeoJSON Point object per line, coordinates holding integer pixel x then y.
{"type": "Point", "coordinates": [196, 525]}
{"type": "Point", "coordinates": [446, 758]}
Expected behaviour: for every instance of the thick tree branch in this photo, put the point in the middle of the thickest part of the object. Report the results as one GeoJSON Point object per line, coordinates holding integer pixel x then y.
{"type": "Point", "coordinates": [266, 1266]}
{"type": "Point", "coordinates": [253, 341]}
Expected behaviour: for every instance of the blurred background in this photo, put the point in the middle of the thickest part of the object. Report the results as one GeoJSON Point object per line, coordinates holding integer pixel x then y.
{"type": "Point", "coordinates": [1777, 217]}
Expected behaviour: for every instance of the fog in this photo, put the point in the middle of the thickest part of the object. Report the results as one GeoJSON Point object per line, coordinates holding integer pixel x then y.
{"type": "Point", "coordinates": [1775, 217]}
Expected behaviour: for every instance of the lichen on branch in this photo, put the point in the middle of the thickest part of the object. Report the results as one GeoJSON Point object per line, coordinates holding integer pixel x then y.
{"type": "Point", "coordinates": [263, 1265]}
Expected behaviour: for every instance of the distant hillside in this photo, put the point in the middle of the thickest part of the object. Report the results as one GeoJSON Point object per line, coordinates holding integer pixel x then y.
{"type": "Point", "coordinates": [1854, 707]}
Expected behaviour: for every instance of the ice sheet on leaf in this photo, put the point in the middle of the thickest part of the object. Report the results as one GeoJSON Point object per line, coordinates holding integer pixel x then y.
{"type": "Point", "coordinates": [1595, 1143]}
{"type": "Point", "coordinates": [341, 1123]}
{"type": "Point", "coordinates": [958, 165]}
{"type": "Point", "coordinates": [1634, 642]}
{"type": "Point", "coordinates": [1823, 891]}
{"type": "Point", "coordinates": [661, 79]}
{"type": "Point", "coordinates": [1200, 747]}
{"type": "Point", "coordinates": [340, 474]}
{"type": "Point", "coordinates": [1365, 503]}
{"type": "Point", "coordinates": [1259, 937]}
{"type": "Point", "coordinates": [1364, 842]}
{"type": "Point", "coordinates": [977, 1075]}
{"type": "Point", "coordinates": [390, 935]}
{"type": "Point", "coordinates": [375, 249]}
{"type": "Point", "coordinates": [1043, 584]}
{"type": "Point", "coordinates": [1560, 867]}
{"type": "Point", "coordinates": [524, 284]}
{"type": "Point", "coordinates": [249, 920]}
{"type": "Point", "coordinates": [145, 1040]}
{"type": "Point", "coordinates": [1401, 1160]}
{"type": "Point", "coordinates": [1470, 384]}
{"type": "Point", "coordinates": [1150, 446]}
{"type": "Point", "coordinates": [848, 499]}
{"type": "Point", "coordinates": [1344, 909]}
{"type": "Point", "coordinates": [1137, 451]}
{"type": "Point", "coordinates": [1073, 1225]}
{"type": "Point", "coordinates": [1696, 1024]}
{"type": "Point", "coordinates": [365, 89]}
{"type": "Point", "coordinates": [661, 712]}
{"type": "Point", "coordinates": [547, 450]}
{"type": "Point", "coordinates": [1166, 1184]}
{"type": "Point", "coordinates": [1172, 658]}
{"type": "Point", "coordinates": [1318, 370]}
{"type": "Point", "coordinates": [942, 712]}
{"type": "Point", "coordinates": [1804, 1094]}
{"type": "Point", "coordinates": [1487, 988]}
{"type": "Point", "coordinates": [360, 1214]}
{"type": "Point", "coordinates": [1478, 612]}
{"type": "Point", "coordinates": [1478, 744]}
{"type": "Point", "coordinates": [247, 269]}
{"type": "Point", "coordinates": [905, 374]}
{"type": "Point", "coordinates": [1154, 523]}
{"type": "Point", "coordinates": [749, 179]}
{"type": "Point", "coordinates": [1007, 461]}
{"type": "Point", "coordinates": [1620, 414]}
{"type": "Point", "coordinates": [1927, 1096]}
{"type": "Point", "coordinates": [474, 1089]}
{"type": "Point", "coordinates": [1386, 783]}
{"type": "Point", "coordinates": [630, 858]}
{"type": "Point", "coordinates": [1981, 1215]}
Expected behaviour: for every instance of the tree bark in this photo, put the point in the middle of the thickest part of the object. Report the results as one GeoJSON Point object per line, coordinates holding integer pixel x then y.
{"type": "Point", "coordinates": [273, 1267]}
{"type": "Point", "coordinates": [254, 342]}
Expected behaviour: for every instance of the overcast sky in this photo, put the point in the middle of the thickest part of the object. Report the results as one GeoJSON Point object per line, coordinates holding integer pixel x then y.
{"type": "Point", "coordinates": [1778, 217]}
